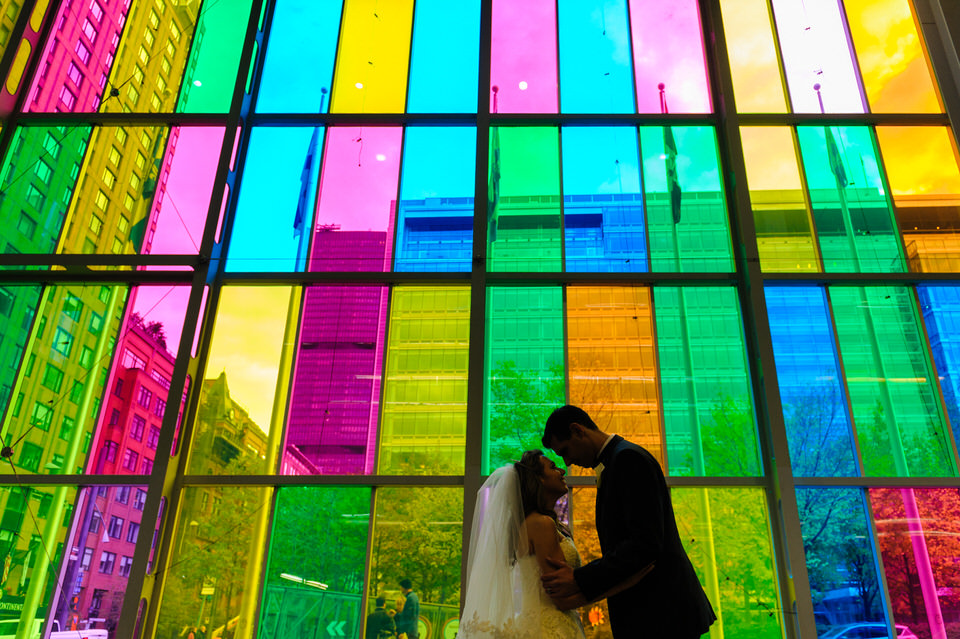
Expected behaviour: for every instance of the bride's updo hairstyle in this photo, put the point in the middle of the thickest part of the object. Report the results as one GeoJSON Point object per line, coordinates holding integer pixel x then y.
{"type": "Point", "coordinates": [529, 472]}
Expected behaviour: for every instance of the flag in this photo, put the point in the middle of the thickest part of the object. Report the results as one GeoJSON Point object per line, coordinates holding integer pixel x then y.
{"type": "Point", "coordinates": [836, 162]}
{"type": "Point", "coordinates": [493, 184]}
{"type": "Point", "coordinates": [673, 181]}
{"type": "Point", "coordinates": [306, 183]}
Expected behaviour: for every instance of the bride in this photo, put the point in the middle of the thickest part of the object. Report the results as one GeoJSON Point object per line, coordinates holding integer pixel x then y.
{"type": "Point", "coordinates": [515, 532]}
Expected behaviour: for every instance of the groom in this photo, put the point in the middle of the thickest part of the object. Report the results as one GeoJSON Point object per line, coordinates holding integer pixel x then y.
{"type": "Point", "coordinates": [650, 585]}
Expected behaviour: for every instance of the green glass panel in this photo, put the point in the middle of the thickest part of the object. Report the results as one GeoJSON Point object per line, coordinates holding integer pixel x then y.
{"type": "Point", "coordinates": [37, 179]}
{"type": "Point", "coordinates": [854, 218]}
{"type": "Point", "coordinates": [61, 381]}
{"type": "Point", "coordinates": [525, 379]}
{"type": "Point", "coordinates": [214, 64]}
{"type": "Point", "coordinates": [425, 381]}
{"type": "Point", "coordinates": [35, 521]}
{"type": "Point", "coordinates": [690, 233]}
{"type": "Point", "coordinates": [312, 585]}
{"type": "Point", "coordinates": [18, 305]}
{"type": "Point", "coordinates": [524, 199]}
{"type": "Point", "coordinates": [418, 534]}
{"type": "Point", "coordinates": [707, 404]}
{"type": "Point", "coordinates": [215, 556]}
{"type": "Point", "coordinates": [726, 533]}
{"type": "Point", "coordinates": [899, 420]}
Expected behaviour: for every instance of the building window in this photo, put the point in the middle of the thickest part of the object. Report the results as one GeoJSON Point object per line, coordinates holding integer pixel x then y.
{"type": "Point", "coordinates": [73, 72]}
{"type": "Point", "coordinates": [51, 146]}
{"type": "Point", "coordinates": [30, 455]}
{"type": "Point", "coordinates": [110, 451]}
{"type": "Point", "coordinates": [146, 467]}
{"type": "Point", "coordinates": [115, 529]}
{"type": "Point", "coordinates": [125, 563]}
{"type": "Point", "coordinates": [153, 437]}
{"type": "Point", "coordinates": [41, 416]}
{"type": "Point", "coordinates": [90, 31]}
{"type": "Point", "coordinates": [159, 406]}
{"type": "Point", "coordinates": [95, 522]}
{"type": "Point", "coordinates": [76, 393]}
{"type": "Point", "coordinates": [26, 225]}
{"type": "Point", "coordinates": [122, 494]}
{"type": "Point", "coordinates": [106, 565]}
{"type": "Point", "coordinates": [114, 417]}
{"type": "Point", "coordinates": [137, 426]}
{"type": "Point", "coordinates": [145, 397]}
{"type": "Point", "coordinates": [82, 52]}
{"type": "Point", "coordinates": [52, 378]}
{"type": "Point", "coordinates": [86, 557]}
{"type": "Point", "coordinates": [66, 428]}
{"type": "Point", "coordinates": [133, 529]}
{"type": "Point", "coordinates": [101, 200]}
{"type": "Point", "coordinates": [62, 341]}
{"type": "Point", "coordinates": [139, 499]}
{"type": "Point", "coordinates": [96, 11]}
{"type": "Point", "coordinates": [72, 307]}
{"type": "Point", "coordinates": [130, 460]}
{"type": "Point", "coordinates": [86, 357]}
{"type": "Point", "coordinates": [96, 323]}
{"type": "Point", "coordinates": [118, 388]}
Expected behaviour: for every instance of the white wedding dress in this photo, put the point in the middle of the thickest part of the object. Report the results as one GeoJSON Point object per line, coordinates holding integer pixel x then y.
{"type": "Point", "coordinates": [505, 598]}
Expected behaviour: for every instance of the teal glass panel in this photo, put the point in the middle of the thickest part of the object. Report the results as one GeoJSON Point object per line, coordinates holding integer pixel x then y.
{"type": "Point", "coordinates": [940, 306]}
{"type": "Point", "coordinates": [726, 533]}
{"type": "Point", "coordinates": [524, 362]}
{"type": "Point", "coordinates": [603, 220]}
{"type": "Point", "coordinates": [596, 75]}
{"type": "Point", "coordinates": [277, 198]}
{"type": "Point", "coordinates": [854, 219]}
{"type": "Point", "coordinates": [299, 30]}
{"type": "Point", "coordinates": [35, 524]}
{"type": "Point", "coordinates": [315, 585]}
{"type": "Point", "coordinates": [812, 393]}
{"type": "Point", "coordinates": [707, 404]}
{"type": "Point", "coordinates": [406, 517]}
{"type": "Point", "coordinates": [18, 307]}
{"type": "Point", "coordinates": [687, 217]}
{"type": "Point", "coordinates": [840, 556]}
{"type": "Point", "coordinates": [899, 421]}
{"type": "Point", "coordinates": [435, 213]}
{"type": "Point", "coordinates": [524, 199]}
{"type": "Point", "coordinates": [38, 178]}
{"type": "Point", "coordinates": [425, 382]}
{"type": "Point", "coordinates": [214, 66]}
{"type": "Point", "coordinates": [444, 57]}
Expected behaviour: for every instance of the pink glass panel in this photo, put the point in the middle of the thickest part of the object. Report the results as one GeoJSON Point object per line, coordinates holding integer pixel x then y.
{"type": "Point", "coordinates": [668, 49]}
{"type": "Point", "coordinates": [358, 192]}
{"type": "Point", "coordinates": [523, 57]}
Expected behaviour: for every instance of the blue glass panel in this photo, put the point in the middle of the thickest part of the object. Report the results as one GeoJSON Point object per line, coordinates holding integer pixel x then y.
{"type": "Point", "coordinates": [445, 57]}
{"type": "Point", "coordinates": [278, 188]}
{"type": "Point", "coordinates": [596, 74]}
{"type": "Point", "coordinates": [811, 388]}
{"type": "Point", "coordinates": [435, 216]}
{"type": "Point", "coordinates": [298, 66]}
{"type": "Point", "coordinates": [940, 306]}
{"type": "Point", "coordinates": [841, 559]}
{"type": "Point", "coordinates": [602, 200]}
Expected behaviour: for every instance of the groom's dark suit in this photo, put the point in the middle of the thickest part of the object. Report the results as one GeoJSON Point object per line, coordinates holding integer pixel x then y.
{"type": "Point", "coordinates": [636, 527]}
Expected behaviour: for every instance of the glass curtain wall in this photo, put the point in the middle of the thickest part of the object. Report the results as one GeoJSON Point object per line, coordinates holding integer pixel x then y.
{"type": "Point", "coordinates": [282, 281]}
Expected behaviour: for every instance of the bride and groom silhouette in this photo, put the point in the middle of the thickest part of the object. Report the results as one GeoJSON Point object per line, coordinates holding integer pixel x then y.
{"type": "Point", "coordinates": [524, 575]}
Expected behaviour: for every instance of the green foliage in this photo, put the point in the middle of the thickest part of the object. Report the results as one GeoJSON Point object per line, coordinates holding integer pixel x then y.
{"type": "Point", "coordinates": [729, 440]}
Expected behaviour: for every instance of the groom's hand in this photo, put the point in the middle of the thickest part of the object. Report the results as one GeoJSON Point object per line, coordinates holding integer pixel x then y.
{"type": "Point", "coordinates": [561, 586]}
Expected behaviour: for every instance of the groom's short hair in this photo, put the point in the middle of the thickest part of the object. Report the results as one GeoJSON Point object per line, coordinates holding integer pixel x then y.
{"type": "Point", "coordinates": [558, 424]}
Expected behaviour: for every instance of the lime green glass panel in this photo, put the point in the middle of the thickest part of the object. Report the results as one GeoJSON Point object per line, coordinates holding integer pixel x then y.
{"type": "Point", "coordinates": [315, 584]}
{"type": "Point", "coordinates": [784, 228]}
{"type": "Point", "coordinates": [525, 379]}
{"type": "Point", "coordinates": [754, 63]}
{"type": "Point", "coordinates": [238, 421]}
{"type": "Point", "coordinates": [922, 166]}
{"type": "Point", "coordinates": [524, 231]}
{"type": "Point", "coordinates": [36, 520]}
{"type": "Point", "coordinates": [373, 57]}
{"type": "Point", "coordinates": [896, 74]}
{"type": "Point", "coordinates": [418, 534]}
{"type": "Point", "coordinates": [215, 555]}
{"type": "Point", "coordinates": [899, 420]}
{"type": "Point", "coordinates": [699, 241]}
{"type": "Point", "coordinates": [854, 219]}
{"type": "Point", "coordinates": [214, 65]}
{"type": "Point", "coordinates": [59, 385]}
{"type": "Point", "coordinates": [707, 404]}
{"type": "Point", "coordinates": [726, 533]}
{"type": "Point", "coordinates": [425, 382]}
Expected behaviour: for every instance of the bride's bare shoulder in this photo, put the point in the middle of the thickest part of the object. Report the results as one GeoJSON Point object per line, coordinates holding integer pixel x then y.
{"type": "Point", "coordinates": [539, 525]}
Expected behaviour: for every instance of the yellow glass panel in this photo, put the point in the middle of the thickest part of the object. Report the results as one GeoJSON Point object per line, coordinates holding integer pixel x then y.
{"type": "Point", "coordinates": [613, 361]}
{"type": "Point", "coordinates": [372, 61]}
{"type": "Point", "coordinates": [19, 64]}
{"type": "Point", "coordinates": [896, 72]}
{"type": "Point", "coordinates": [923, 168]}
{"type": "Point", "coordinates": [757, 84]}
{"type": "Point", "coordinates": [780, 210]}
{"type": "Point", "coordinates": [39, 9]}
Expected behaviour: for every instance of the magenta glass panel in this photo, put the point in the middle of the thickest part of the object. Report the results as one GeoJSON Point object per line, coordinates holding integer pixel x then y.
{"type": "Point", "coordinates": [358, 193]}
{"type": "Point", "coordinates": [523, 56]}
{"type": "Point", "coordinates": [668, 49]}
{"type": "Point", "coordinates": [335, 401]}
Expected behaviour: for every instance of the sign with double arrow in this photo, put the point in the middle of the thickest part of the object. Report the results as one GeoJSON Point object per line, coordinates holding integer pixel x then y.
{"type": "Point", "coordinates": [335, 628]}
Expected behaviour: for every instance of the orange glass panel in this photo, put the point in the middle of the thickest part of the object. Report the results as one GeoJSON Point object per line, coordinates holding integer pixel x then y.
{"type": "Point", "coordinates": [922, 168]}
{"type": "Point", "coordinates": [780, 211]}
{"type": "Point", "coordinates": [896, 73]}
{"type": "Point", "coordinates": [372, 61]}
{"type": "Point", "coordinates": [613, 362]}
{"type": "Point", "coordinates": [757, 85]}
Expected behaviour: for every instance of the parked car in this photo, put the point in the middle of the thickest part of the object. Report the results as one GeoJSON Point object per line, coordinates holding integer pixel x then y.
{"type": "Point", "coordinates": [867, 630]}
{"type": "Point", "coordinates": [8, 630]}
